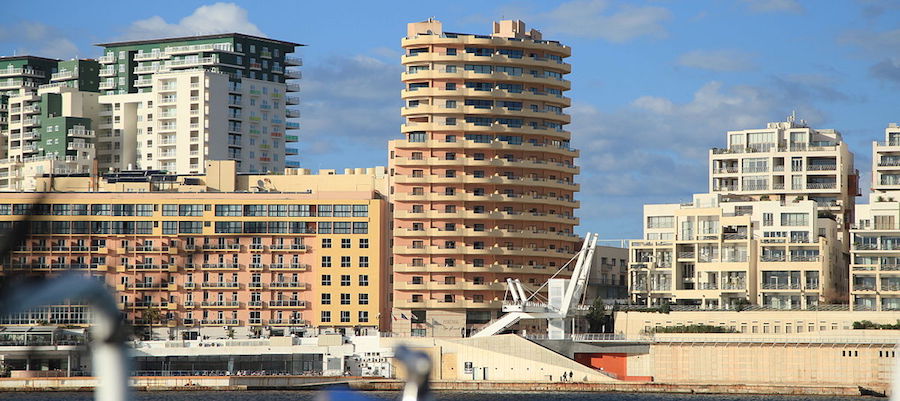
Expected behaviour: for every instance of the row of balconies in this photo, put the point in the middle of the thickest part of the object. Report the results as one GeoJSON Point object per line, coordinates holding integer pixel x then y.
{"type": "Point", "coordinates": [471, 250]}
{"type": "Point", "coordinates": [462, 74]}
{"type": "Point", "coordinates": [12, 72]}
{"type": "Point", "coordinates": [775, 169]}
{"type": "Point", "coordinates": [442, 304]}
{"type": "Point", "coordinates": [561, 149]}
{"type": "Point", "coordinates": [494, 233]}
{"type": "Point", "coordinates": [497, 111]}
{"type": "Point", "coordinates": [461, 93]}
{"type": "Point", "coordinates": [499, 59]}
{"type": "Point", "coordinates": [496, 161]}
{"type": "Point", "coordinates": [488, 215]}
{"type": "Point", "coordinates": [461, 126]}
{"type": "Point", "coordinates": [773, 148]}
{"type": "Point", "coordinates": [495, 180]}
{"type": "Point", "coordinates": [441, 286]}
{"type": "Point", "coordinates": [495, 197]}
{"type": "Point", "coordinates": [471, 268]}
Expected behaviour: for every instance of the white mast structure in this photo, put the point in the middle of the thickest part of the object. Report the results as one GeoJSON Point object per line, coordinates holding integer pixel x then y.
{"type": "Point", "coordinates": [563, 294]}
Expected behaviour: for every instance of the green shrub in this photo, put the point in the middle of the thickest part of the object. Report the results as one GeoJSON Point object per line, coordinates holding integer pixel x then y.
{"type": "Point", "coordinates": [869, 325]}
{"type": "Point", "coordinates": [694, 328]}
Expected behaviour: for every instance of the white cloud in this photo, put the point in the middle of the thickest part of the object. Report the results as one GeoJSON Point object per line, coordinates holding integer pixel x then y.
{"type": "Point", "coordinates": [773, 6]}
{"type": "Point", "coordinates": [655, 150]}
{"type": "Point", "coordinates": [874, 43]}
{"type": "Point", "coordinates": [718, 60]}
{"type": "Point", "coordinates": [878, 45]}
{"type": "Point", "coordinates": [350, 108]}
{"type": "Point", "coordinates": [38, 39]}
{"type": "Point", "coordinates": [601, 19]}
{"type": "Point", "coordinates": [207, 19]}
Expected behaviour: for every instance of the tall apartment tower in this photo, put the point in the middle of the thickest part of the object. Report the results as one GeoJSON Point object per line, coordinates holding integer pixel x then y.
{"type": "Point", "coordinates": [47, 107]}
{"type": "Point", "coordinates": [171, 104]}
{"type": "Point", "coordinates": [875, 255]}
{"type": "Point", "coordinates": [483, 180]}
{"type": "Point", "coordinates": [789, 161]}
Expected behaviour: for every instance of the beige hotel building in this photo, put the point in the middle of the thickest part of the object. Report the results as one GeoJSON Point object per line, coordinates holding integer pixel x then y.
{"type": "Point", "coordinates": [483, 182]}
{"type": "Point", "coordinates": [220, 254]}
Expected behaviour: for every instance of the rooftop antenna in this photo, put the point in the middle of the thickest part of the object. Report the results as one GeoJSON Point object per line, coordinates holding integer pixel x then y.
{"type": "Point", "coordinates": [793, 116]}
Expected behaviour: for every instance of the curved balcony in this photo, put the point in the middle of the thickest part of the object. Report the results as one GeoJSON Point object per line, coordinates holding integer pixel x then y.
{"type": "Point", "coordinates": [493, 145]}
{"type": "Point", "coordinates": [493, 215]}
{"type": "Point", "coordinates": [469, 197]}
{"type": "Point", "coordinates": [496, 161]}
{"type": "Point", "coordinates": [470, 268]}
{"type": "Point", "coordinates": [461, 39]}
{"type": "Point", "coordinates": [492, 128]}
{"type": "Point", "coordinates": [497, 59]}
{"type": "Point", "coordinates": [442, 286]}
{"type": "Point", "coordinates": [462, 74]}
{"type": "Point", "coordinates": [439, 304]}
{"type": "Point", "coordinates": [562, 118]}
{"type": "Point", "coordinates": [494, 180]}
{"type": "Point", "coordinates": [492, 250]}
{"type": "Point", "coordinates": [492, 233]}
{"type": "Point", "coordinates": [496, 94]}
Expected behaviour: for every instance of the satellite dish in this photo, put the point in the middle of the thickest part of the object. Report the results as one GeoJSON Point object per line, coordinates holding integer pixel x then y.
{"type": "Point", "coordinates": [260, 185]}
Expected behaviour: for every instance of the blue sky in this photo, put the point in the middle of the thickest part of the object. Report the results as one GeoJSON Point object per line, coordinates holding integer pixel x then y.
{"type": "Point", "coordinates": [655, 83]}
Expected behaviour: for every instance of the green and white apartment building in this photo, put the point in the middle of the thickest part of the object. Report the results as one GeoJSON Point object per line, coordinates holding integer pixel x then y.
{"type": "Point", "coordinates": [164, 104]}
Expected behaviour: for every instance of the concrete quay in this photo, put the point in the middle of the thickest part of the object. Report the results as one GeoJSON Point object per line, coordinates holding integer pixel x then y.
{"type": "Point", "coordinates": [244, 383]}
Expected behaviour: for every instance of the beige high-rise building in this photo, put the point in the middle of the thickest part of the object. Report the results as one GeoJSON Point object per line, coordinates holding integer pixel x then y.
{"type": "Point", "coordinates": [875, 255]}
{"type": "Point", "coordinates": [482, 183]}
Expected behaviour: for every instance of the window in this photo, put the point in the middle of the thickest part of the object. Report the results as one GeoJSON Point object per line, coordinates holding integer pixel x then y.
{"type": "Point", "coordinates": [326, 299]}
{"type": "Point", "coordinates": [345, 316]}
{"type": "Point", "coordinates": [360, 210]}
{"type": "Point", "coordinates": [326, 261]}
{"type": "Point", "coordinates": [363, 261]}
{"type": "Point", "coordinates": [229, 210]}
{"type": "Point", "coordinates": [345, 243]}
{"type": "Point", "coordinates": [326, 279]}
{"type": "Point", "coordinates": [364, 243]}
{"type": "Point", "coordinates": [342, 211]}
{"type": "Point", "coordinates": [660, 222]}
{"type": "Point", "coordinates": [363, 316]}
{"type": "Point", "coordinates": [345, 280]}
{"type": "Point", "coordinates": [345, 261]}
{"type": "Point", "coordinates": [363, 280]}
{"type": "Point", "coordinates": [794, 219]}
{"type": "Point", "coordinates": [363, 299]}
{"type": "Point", "coordinates": [767, 219]}
{"type": "Point", "coordinates": [360, 227]}
{"type": "Point", "coordinates": [326, 316]}
{"type": "Point", "coordinates": [417, 137]}
{"type": "Point", "coordinates": [341, 227]}
{"type": "Point", "coordinates": [345, 299]}
{"type": "Point", "coordinates": [326, 242]}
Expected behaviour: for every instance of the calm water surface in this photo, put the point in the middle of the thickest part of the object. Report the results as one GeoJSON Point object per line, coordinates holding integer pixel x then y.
{"type": "Point", "coordinates": [439, 396]}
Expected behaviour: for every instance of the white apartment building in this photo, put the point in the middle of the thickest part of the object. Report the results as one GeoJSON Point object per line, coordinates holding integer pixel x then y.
{"type": "Point", "coordinates": [172, 104]}
{"type": "Point", "coordinates": [193, 116]}
{"type": "Point", "coordinates": [718, 253]}
{"type": "Point", "coordinates": [875, 254]}
{"type": "Point", "coordinates": [789, 161]}
{"type": "Point", "coordinates": [47, 107]}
